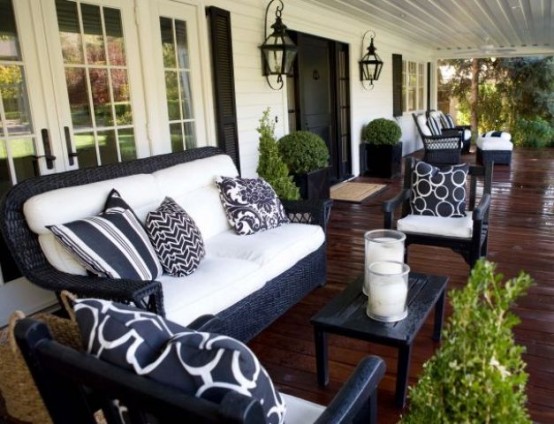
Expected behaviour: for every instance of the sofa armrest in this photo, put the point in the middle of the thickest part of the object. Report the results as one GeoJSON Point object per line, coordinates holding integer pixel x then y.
{"type": "Point", "coordinates": [309, 211]}
{"type": "Point", "coordinates": [357, 399]}
{"type": "Point", "coordinates": [144, 294]}
{"type": "Point", "coordinates": [207, 323]}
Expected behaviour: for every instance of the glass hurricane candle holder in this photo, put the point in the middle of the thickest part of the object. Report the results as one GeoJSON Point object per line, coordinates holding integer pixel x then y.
{"type": "Point", "coordinates": [388, 291]}
{"type": "Point", "coordinates": [382, 245]}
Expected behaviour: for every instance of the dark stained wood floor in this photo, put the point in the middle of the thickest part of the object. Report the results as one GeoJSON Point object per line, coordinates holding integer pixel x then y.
{"type": "Point", "coordinates": [521, 238]}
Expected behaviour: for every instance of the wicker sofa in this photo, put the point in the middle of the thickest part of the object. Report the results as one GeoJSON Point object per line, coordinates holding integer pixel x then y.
{"type": "Point", "coordinates": [246, 281]}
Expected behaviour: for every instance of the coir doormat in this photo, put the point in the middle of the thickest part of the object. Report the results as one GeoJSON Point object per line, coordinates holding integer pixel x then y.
{"type": "Point", "coordinates": [355, 192]}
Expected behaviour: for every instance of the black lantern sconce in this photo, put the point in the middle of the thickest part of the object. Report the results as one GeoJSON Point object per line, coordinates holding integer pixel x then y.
{"type": "Point", "coordinates": [278, 50]}
{"type": "Point", "coordinates": [370, 64]}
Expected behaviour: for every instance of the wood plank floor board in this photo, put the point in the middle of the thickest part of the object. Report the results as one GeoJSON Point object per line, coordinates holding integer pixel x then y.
{"type": "Point", "coordinates": [521, 238]}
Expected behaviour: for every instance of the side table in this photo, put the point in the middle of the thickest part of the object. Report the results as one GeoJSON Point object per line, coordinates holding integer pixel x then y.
{"type": "Point", "coordinates": [346, 315]}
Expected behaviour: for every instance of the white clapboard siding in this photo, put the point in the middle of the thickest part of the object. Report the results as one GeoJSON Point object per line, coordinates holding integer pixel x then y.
{"type": "Point", "coordinates": [253, 95]}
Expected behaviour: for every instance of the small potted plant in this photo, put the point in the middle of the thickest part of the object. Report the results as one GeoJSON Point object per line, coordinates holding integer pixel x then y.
{"type": "Point", "coordinates": [270, 165]}
{"type": "Point", "coordinates": [307, 158]}
{"type": "Point", "coordinates": [381, 152]}
{"type": "Point", "coordinates": [478, 374]}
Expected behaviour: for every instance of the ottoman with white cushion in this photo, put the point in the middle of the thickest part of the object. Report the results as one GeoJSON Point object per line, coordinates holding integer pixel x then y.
{"type": "Point", "coordinates": [494, 147]}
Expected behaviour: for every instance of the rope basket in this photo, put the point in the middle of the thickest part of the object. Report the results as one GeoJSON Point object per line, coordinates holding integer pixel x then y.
{"type": "Point", "coordinates": [22, 398]}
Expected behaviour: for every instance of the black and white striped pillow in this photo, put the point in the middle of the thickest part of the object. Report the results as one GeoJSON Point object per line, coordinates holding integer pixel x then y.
{"type": "Point", "coordinates": [434, 126]}
{"type": "Point", "coordinates": [446, 121]}
{"type": "Point", "coordinates": [112, 244]}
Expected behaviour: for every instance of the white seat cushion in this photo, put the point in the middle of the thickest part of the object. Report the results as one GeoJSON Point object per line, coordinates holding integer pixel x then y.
{"type": "Point", "coordinates": [494, 143]}
{"type": "Point", "coordinates": [276, 250]}
{"type": "Point", "coordinates": [467, 134]}
{"type": "Point", "coordinates": [504, 135]}
{"type": "Point", "coordinates": [437, 225]}
{"type": "Point", "coordinates": [300, 411]}
{"type": "Point", "coordinates": [217, 284]}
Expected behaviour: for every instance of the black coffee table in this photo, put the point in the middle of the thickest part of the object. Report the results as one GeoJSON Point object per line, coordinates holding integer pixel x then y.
{"type": "Point", "coordinates": [346, 315]}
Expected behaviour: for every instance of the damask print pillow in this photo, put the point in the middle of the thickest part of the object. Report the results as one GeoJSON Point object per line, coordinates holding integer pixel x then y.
{"type": "Point", "coordinates": [201, 364]}
{"type": "Point", "coordinates": [439, 192]}
{"type": "Point", "coordinates": [250, 204]}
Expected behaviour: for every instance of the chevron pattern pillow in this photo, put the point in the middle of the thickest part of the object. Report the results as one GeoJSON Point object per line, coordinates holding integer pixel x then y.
{"type": "Point", "coordinates": [112, 244]}
{"type": "Point", "coordinates": [251, 204]}
{"type": "Point", "coordinates": [176, 238]}
{"type": "Point", "coordinates": [204, 365]}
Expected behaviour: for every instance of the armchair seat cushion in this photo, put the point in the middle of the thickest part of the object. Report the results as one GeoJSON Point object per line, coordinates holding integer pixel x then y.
{"type": "Point", "coordinates": [437, 225]}
{"type": "Point", "coordinates": [301, 410]}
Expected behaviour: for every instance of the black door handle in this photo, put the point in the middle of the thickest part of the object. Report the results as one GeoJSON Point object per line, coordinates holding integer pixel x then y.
{"type": "Point", "coordinates": [70, 153]}
{"type": "Point", "coordinates": [47, 151]}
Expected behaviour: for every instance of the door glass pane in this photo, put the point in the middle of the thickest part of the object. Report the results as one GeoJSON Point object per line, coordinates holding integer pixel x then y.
{"type": "Point", "coordinates": [108, 146]}
{"type": "Point", "coordinates": [176, 132]}
{"type": "Point", "coordinates": [127, 145]}
{"type": "Point", "coordinates": [77, 90]}
{"type": "Point", "coordinates": [175, 51]}
{"type": "Point", "coordinates": [17, 148]}
{"type": "Point", "coordinates": [97, 81]}
{"type": "Point", "coordinates": [86, 147]}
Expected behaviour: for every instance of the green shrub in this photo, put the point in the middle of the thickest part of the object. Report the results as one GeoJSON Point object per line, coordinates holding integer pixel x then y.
{"type": "Point", "coordinates": [271, 166]}
{"type": "Point", "coordinates": [532, 133]}
{"type": "Point", "coordinates": [382, 131]}
{"type": "Point", "coordinates": [303, 152]}
{"type": "Point", "coordinates": [477, 375]}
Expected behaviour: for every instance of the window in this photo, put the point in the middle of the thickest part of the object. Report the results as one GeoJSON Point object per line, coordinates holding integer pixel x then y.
{"type": "Point", "coordinates": [413, 86]}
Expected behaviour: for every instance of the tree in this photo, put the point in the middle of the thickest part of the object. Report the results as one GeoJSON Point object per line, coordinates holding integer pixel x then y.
{"type": "Point", "coordinates": [271, 166]}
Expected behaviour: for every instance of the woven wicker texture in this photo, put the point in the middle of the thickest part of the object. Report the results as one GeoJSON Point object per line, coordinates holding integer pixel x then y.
{"type": "Point", "coordinates": [23, 401]}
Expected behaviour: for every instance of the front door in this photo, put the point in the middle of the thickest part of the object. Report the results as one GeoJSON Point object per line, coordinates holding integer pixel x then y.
{"type": "Point", "coordinates": [321, 87]}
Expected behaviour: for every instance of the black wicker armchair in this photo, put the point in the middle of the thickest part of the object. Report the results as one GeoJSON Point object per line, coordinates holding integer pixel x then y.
{"type": "Point", "coordinates": [74, 385]}
{"type": "Point", "coordinates": [463, 130]}
{"type": "Point", "coordinates": [439, 149]}
{"type": "Point", "coordinates": [473, 244]}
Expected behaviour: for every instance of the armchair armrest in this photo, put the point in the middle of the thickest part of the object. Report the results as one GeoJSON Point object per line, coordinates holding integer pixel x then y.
{"type": "Point", "coordinates": [144, 294]}
{"type": "Point", "coordinates": [358, 397]}
{"type": "Point", "coordinates": [480, 212]}
{"type": "Point", "coordinates": [389, 206]}
{"type": "Point", "coordinates": [309, 211]}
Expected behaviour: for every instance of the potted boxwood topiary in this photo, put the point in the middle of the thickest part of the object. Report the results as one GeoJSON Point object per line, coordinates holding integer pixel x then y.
{"type": "Point", "coordinates": [307, 158]}
{"type": "Point", "coordinates": [478, 374]}
{"type": "Point", "coordinates": [381, 152]}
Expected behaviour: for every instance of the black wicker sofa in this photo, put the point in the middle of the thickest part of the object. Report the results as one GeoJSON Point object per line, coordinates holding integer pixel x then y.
{"type": "Point", "coordinates": [243, 319]}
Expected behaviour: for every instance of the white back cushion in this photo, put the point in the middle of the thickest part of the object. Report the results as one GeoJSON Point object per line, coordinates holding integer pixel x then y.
{"type": "Point", "coordinates": [72, 203]}
{"type": "Point", "coordinates": [422, 122]}
{"type": "Point", "coordinates": [192, 186]}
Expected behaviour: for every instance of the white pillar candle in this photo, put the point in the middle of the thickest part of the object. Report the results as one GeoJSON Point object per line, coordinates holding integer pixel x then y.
{"type": "Point", "coordinates": [382, 245]}
{"type": "Point", "coordinates": [387, 290]}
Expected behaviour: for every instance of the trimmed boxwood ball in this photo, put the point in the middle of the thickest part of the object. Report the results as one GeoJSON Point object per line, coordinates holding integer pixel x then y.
{"type": "Point", "coordinates": [382, 131]}
{"type": "Point", "coordinates": [303, 152]}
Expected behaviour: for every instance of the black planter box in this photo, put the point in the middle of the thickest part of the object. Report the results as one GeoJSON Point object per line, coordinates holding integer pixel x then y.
{"type": "Point", "coordinates": [314, 185]}
{"type": "Point", "coordinates": [383, 161]}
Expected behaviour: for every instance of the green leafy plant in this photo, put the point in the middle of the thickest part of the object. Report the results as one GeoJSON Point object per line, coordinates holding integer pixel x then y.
{"type": "Point", "coordinates": [271, 166]}
{"type": "Point", "coordinates": [303, 152]}
{"type": "Point", "coordinates": [382, 131]}
{"type": "Point", "coordinates": [477, 375]}
{"type": "Point", "coordinates": [532, 133]}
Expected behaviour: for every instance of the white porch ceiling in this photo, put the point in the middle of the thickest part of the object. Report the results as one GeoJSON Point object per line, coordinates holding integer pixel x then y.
{"type": "Point", "coordinates": [460, 28]}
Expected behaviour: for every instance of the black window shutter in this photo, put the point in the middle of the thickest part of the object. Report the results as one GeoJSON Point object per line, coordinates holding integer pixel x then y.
{"type": "Point", "coordinates": [219, 21]}
{"type": "Point", "coordinates": [396, 85]}
{"type": "Point", "coordinates": [428, 85]}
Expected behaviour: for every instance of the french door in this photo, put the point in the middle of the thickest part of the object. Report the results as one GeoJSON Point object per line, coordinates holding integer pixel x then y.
{"type": "Point", "coordinates": [91, 82]}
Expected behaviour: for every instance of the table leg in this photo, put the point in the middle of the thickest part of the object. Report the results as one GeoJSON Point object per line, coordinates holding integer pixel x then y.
{"type": "Point", "coordinates": [321, 357]}
{"type": "Point", "coordinates": [404, 356]}
{"type": "Point", "coordinates": [439, 316]}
